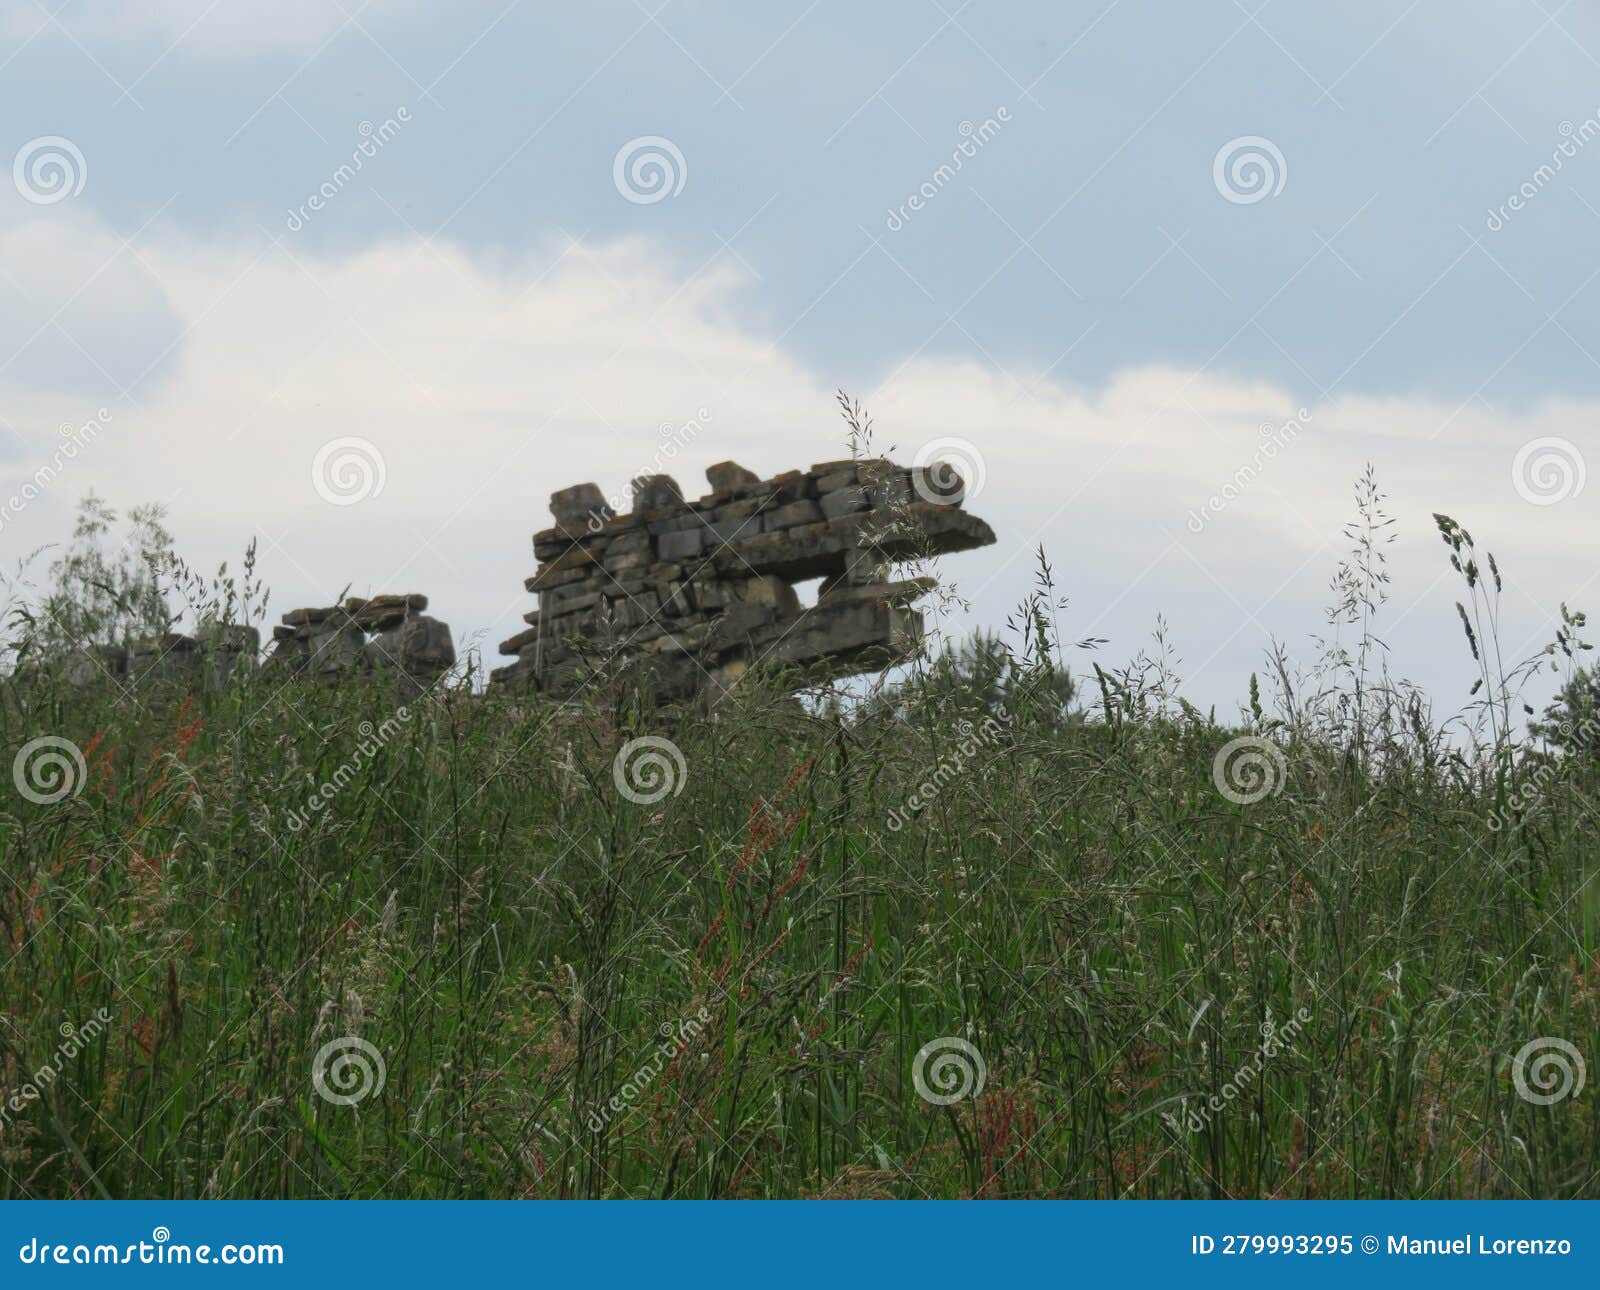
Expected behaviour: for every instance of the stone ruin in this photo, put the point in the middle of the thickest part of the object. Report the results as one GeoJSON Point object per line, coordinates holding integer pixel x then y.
{"type": "Point", "coordinates": [386, 636]}
{"type": "Point", "coordinates": [686, 596]}
{"type": "Point", "coordinates": [693, 595]}
{"type": "Point", "coordinates": [209, 660]}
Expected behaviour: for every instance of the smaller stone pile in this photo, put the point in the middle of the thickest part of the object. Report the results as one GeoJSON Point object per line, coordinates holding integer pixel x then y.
{"type": "Point", "coordinates": [696, 593]}
{"type": "Point", "coordinates": [212, 659]}
{"type": "Point", "coordinates": [378, 637]}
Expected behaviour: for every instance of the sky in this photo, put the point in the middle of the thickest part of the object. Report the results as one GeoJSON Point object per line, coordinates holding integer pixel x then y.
{"type": "Point", "coordinates": [365, 283]}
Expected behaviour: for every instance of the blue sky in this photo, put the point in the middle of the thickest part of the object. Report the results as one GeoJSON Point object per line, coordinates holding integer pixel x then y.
{"type": "Point", "coordinates": [1084, 301]}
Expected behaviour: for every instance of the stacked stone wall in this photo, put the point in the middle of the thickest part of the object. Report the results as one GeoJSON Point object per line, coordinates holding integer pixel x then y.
{"type": "Point", "coordinates": [696, 593]}
{"type": "Point", "coordinates": [386, 636]}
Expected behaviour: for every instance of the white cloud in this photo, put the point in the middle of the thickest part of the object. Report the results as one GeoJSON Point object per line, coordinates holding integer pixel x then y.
{"type": "Point", "coordinates": [78, 311]}
{"type": "Point", "coordinates": [221, 29]}
{"type": "Point", "coordinates": [486, 386]}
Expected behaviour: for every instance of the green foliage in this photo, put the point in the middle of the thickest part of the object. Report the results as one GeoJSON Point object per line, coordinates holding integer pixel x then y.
{"type": "Point", "coordinates": [1571, 723]}
{"type": "Point", "coordinates": [105, 597]}
{"type": "Point", "coordinates": [718, 983]}
{"type": "Point", "coordinates": [477, 901]}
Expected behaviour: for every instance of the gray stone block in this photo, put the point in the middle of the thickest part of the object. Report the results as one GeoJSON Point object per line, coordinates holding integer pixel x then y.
{"type": "Point", "coordinates": [792, 515]}
{"type": "Point", "coordinates": [679, 523]}
{"type": "Point", "coordinates": [847, 500]}
{"type": "Point", "coordinates": [791, 486]}
{"type": "Point", "coordinates": [573, 599]}
{"type": "Point", "coordinates": [683, 545]}
{"type": "Point", "coordinates": [770, 591]}
{"type": "Point", "coordinates": [722, 531]}
{"type": "Point", "coordinates": [168, 658]}
{"type": "Point", "coordinates": [620, 564]}
{"type": "Point", "coordinates": [426, 643]}
{"type": "Point", "coordinates": [675, 601]}
{"type": "Point", "coordinates": [574, 508]}
{"type": "Point", "coordinates": [383, 612]}
{"type": "Point", "coordinates": [95, 665]}
{"type": "Point", "coordinates": [516, 644]}
{"type": "Point", "coordinates": [336, 649]}
{"type": "Point", "coordinates": [726, 476]}
{"type": "Point", "coordinates": [940, 484]}
{"type": "Point", "coordinates": [635, 610]}
{"type": "Point", "coordinates": [712, 594]}
{"type": "Point", "coordinates": [887, 488]}
{"type": "Point", "coordinates": [228, 653]}
{"type": "Point", "coordinates": [864, 567]}
{"type": "Point", "coordinates": [656, 493]}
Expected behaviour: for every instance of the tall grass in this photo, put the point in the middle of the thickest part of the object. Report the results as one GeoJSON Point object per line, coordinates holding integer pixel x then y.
{"type": "Point", "coordinates": [724, 992]}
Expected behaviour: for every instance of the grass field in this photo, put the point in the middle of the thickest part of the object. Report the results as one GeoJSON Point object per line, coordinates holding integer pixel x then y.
{"type": "Point", "coordinates": [964, 941]}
